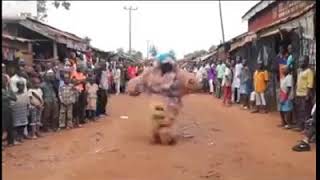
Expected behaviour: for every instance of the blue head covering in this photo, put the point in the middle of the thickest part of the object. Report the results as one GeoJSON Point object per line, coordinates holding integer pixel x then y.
{"type": "Point", "coordinates": [165, 57]}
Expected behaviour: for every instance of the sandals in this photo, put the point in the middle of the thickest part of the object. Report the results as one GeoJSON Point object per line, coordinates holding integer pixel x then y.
{"type": "Point", "coordinates": [301, 147]}
{"type": "Point", "coordinates": [287, 127]}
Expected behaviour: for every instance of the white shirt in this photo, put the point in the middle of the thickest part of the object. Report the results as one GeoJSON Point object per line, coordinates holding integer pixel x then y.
{"type": "Point", "coordinates": [38, 92]}
{"type": "Point", "coordinates": [226, 78]}
{"type": "Point", "coordinates": [199, 75]}
{"type": "Point", "coordinates": [236, 79]}
{"type": "Point", "coordinates": [107, 64]}
{"type": "Point", "coordinates": [104, 82]}
{"type": "Point", "coordinates": [285, 83]}
{"type": "Point", "coordinates": [13, 83]}
{"type": "Point", "coordinates": [117, 74]}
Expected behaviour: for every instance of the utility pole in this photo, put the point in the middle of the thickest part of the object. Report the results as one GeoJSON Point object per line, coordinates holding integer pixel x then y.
{"type": "Point", "coordinates": [148, 49]}
{"type": "Point", "coordinates": [130, 9]}
{"type": "Point", "coordinates": [222, 30]}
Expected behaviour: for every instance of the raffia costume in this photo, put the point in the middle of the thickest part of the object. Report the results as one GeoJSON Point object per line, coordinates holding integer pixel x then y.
{"type": "Point", "coordinates": [166, 90]}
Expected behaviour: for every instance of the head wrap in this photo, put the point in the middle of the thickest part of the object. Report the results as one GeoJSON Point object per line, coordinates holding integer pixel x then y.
{"type": "Point", "coordinates": [165, 57]}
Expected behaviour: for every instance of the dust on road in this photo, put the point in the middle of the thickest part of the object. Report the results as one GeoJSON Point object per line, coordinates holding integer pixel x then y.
{"type": "Point", "coordinates": [219, 143]}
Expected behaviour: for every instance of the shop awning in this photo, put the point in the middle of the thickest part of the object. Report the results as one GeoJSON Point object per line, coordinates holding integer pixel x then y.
{"type": "Point", "coordinates": [269, 33]}
{"type": "Point", "coordinates": [14, 38]}
{"type": "Point", "coordinates": [243, 41]}
{"type": "Point", "coordinates": [70, 40]}
{"type": "Point", "coordinates": [203, 58]}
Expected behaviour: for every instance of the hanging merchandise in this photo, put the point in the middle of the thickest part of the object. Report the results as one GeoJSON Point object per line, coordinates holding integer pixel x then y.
{"type": "Point", "coordinates": [265, 55]}
{"type": "Point", "coordinates": [5, 53]}
{"type": "Point", "coordinates": [259, 59]}
{"type": "Point", "coordinates": [11, 54]}
{"type": "Point", "coordinates": [312, 52]}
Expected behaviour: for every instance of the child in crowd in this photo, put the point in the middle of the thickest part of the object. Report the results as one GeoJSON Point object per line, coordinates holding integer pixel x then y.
{"type": "Point", "coordinates": [67, 99]}
{"type": "Point", "coordinates": [7, 96]}
{"type": "Point", "coordinates": [286, 98]}
{"type": "Point", "coordinates": [36, 106]}
{"type": "Point", "coordinates": [50, 118]}
{"type": "Point", "coordinates": [92, 89]}
{"type": "Point", "coordinates": [20, 111]}
{"type": "Point", "coordinates": [260, 79]}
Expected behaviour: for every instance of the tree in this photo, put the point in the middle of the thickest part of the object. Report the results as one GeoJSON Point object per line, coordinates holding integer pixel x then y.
{"type": "Point", "coordinates": [120, 51]}
{"type": "Point", "coordinates": [42, 7]}
{"type": "Point", "coordinates": [87, 40]}
{"type": "Point", "coordinates": [153, 51]}
{"type": "Point", "coordinates": [136, 55]}
{"type": "Point", "coordinates": [195, 54]}
{"type": "Point", "coordinates": [212, 48]}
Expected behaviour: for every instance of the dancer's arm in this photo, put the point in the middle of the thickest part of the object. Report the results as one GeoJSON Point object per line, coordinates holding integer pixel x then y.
{"type": "Point", "coordinates": [188, 82]}
{"type": "Point", "coordinates": [136, 85]}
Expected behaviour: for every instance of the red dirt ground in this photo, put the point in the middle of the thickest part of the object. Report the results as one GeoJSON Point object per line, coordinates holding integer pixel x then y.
{"type": "Point", "coordinates": [228, 144]}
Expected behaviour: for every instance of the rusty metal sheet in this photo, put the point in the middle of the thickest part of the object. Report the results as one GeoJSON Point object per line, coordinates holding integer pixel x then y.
{"type": "Point", "coordinates": [71, 41]}
{"type": "Point", "coordinates": [14, 38]}
{"type": "Point", "coordinates": [243, 41]}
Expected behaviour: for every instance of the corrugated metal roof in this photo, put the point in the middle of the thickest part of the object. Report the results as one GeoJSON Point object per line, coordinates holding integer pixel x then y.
{"type": "Point", "coordinates": [99, 50]}
{"type": "Point", "coordinates": [14, 38]}
{"type": "Point", "coordinates": [291, 17]}
{"type": "Point", "coordinates": [202, 58]}
{"type": "Point", "coordinates": [55, 30]}
{"type": "Point", "coordinates": [242, 41]}
{"type": "Point", "coordinates": [257, 8]}
{"type": "Point", "coordinates": [70, 40]}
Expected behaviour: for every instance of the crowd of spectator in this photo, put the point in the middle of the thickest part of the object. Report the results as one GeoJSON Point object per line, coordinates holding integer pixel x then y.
{"type": "Point", "coordinates": [57, 95]}
{"type": "Point", "coordinates": [233, 81]}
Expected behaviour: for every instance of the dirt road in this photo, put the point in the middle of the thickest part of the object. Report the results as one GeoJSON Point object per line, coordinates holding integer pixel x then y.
{"type": "Point", "coordinates": [228, 144]}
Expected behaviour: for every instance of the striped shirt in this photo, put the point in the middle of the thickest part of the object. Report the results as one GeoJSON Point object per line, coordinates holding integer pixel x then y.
{"type": "Point", "coordinates": [20, 110]}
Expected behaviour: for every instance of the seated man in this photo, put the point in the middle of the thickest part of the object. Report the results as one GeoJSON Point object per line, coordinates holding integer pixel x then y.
{"type": "Point", "coordinates": [310, 133]}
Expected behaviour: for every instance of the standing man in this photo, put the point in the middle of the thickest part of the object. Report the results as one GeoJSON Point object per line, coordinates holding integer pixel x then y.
{"type": "Point", "coordinates": [290, 60]}
{"type": "Point", "coordinates": [50, 116]}
{"type": "Point", "coordinates": [220, 73]}
{"type": "Point", "coordinates": [244, 85]}
{"type": "Point", "coordinates": [236, 81]}
{"type": "Point", "coordinates": [117, 79]}
{"type": "Point", "coordinates": [7, 97]}
{"type": "Point", "coordinates": [102, 93]}
{"type": "Point", "coordinates": [211, 77]}
{"type": "Point", "coordinates": [226, 84]}
{"type": "Point", "coordinates": [79, 80]}
{"type": "Point", "coordinates": [303, 92]}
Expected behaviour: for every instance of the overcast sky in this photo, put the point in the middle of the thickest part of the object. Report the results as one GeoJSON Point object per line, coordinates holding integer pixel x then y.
{"type": "Point", "coordinates": [181, 26]}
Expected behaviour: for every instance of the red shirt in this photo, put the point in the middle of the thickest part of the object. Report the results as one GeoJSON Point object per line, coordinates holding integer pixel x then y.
{"type": "Point", "coordinates": [132, 72]}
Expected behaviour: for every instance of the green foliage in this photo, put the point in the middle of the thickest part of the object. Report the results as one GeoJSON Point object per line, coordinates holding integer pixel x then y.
{"type": "Point", "coordinates": [195, 54]}
{"type": "Point", "coordinates": [136, 55]}
{"type": "Point", "coordinates": [153, 50]}
{"type": "Point", "coordinates": [212, 48]}
{"type": "Point", "coordinates": [42, 7]}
